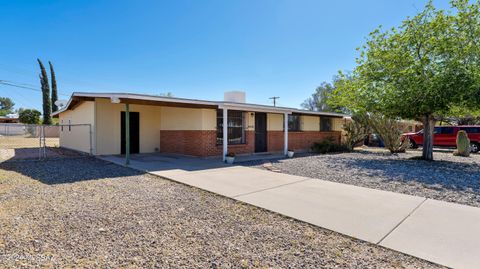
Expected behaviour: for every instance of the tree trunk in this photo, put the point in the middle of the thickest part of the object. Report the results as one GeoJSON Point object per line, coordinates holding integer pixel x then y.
{"type": "Point", "coordinates": [428, 127]}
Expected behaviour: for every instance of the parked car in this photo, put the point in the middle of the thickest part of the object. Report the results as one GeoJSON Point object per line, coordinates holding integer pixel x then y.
{"type": "Point", "coordinates": [374, 140]}
{"type": "Point", "coordinates": [446, 136]}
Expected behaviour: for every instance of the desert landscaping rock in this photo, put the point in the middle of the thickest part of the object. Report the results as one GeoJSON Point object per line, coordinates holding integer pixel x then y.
{"type": "Point", "coordinates": [448, 178]}
{"type": "Point", "coordinates": [83, 212]}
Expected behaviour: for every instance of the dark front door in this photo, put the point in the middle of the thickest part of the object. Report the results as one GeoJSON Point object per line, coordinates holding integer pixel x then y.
{"type": "Point", "coordinates": [134, 132]}
{"type": "Point", "coordinates": [260, 132]}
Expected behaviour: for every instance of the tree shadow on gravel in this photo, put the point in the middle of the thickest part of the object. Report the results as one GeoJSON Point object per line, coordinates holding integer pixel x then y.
{"type": "Point", "coordinates": [449, 175]}
{"type": "Point", "coordinates": [68, 170]}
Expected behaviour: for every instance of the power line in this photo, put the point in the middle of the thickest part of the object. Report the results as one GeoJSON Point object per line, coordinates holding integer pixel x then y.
{"type": "Point", "coordinates": [13, 84]}
{"type": "Point", "coordinates": [27, 73]}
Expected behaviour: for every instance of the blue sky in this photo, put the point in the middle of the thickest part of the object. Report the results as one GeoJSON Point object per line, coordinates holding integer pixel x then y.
{"type": "Point", "coordinates": [194, 49]}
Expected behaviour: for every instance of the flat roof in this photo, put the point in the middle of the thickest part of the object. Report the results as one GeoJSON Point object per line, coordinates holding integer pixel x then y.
{"type": "Point", "coordinates": [134, 98]}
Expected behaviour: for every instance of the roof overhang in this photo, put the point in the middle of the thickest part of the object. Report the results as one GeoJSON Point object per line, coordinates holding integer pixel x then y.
{"type": "Point", "coordinates": [154, 100]}
{"type": "Point", "coordinates": [139, 99]}
{"type": "Point", "coordinates": [319, 113]}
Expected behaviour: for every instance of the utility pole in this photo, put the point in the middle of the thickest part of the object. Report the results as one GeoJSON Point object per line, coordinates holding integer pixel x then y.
{"type": "Point", "coordinates": [274, 100]}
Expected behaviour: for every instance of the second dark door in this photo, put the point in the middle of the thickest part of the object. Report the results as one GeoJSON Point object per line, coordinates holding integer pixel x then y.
{"type": "Point", "coordinates": [260, 132]}
{"type": "Point", "coordinates": [134, 132]}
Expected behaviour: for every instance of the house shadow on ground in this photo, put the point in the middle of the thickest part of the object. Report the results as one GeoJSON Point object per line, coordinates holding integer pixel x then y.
{"type": "Point", "coordinates": [67, 170]}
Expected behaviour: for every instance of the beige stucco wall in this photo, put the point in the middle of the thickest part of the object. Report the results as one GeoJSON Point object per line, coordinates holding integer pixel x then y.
{"type": "Point", "coordinates": [153, 119]}
{"type": "Point", "coordinates": [250, 121]}
{"type": "Point", "coordinates": [309, 123]}
{"type": "Point", "coordinates": [108, 133]}
{"type": "Point", "coordinates": [77, 137]}
{"type": "Point", "coordinates": [337, 124]}
{"type": "Point", "coordinates": [178, 118]}
{"type": "Point", "coordinates": [274, 122]}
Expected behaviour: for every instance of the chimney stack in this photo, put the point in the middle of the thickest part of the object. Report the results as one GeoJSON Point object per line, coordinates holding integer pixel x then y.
{"type": "Point", "coordinates": [234, 96]}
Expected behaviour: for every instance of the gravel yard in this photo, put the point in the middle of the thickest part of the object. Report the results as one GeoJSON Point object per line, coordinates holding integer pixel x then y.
{"type": "Point", "coordinates": [83, 212]}
{"type": "Point", "coordinates": [449, 178]}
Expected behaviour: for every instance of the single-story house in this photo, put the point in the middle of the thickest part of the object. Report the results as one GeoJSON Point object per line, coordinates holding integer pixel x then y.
{"type": "Point", "coordinates": [189, 127]}
{"type": "Point", "coordinates": [10, 118]}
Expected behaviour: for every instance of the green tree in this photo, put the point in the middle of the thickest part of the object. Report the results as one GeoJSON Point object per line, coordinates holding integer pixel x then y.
{"type": "Point", "coordinates": [419, 70]}
{"type": "Point", "coordinates": [318, 101]}
{"type": "Point", "coordinates": [54, 87]}
{"type": "Point", "coordinates": [463, 116]}
{"type": "Point", "coordinates": [6, 104]}
{"type": "Point", "coordinates": [29, 116]}
{"type": "Point", "coordinates": [47, 107]}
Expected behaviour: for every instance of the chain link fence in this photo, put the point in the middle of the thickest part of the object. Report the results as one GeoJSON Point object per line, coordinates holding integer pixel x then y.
{"type": "Point", "coordinates": [33, 141]}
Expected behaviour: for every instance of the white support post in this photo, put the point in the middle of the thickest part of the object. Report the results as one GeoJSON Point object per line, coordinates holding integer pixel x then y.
{"type": "Point", "coordinates": [225, 133]}
{"type": "Point", "coordinates": [285, 133]}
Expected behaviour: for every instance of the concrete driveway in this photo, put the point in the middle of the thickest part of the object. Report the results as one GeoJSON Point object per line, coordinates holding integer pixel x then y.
{"type": "Point", "coordinates": [441, 232]}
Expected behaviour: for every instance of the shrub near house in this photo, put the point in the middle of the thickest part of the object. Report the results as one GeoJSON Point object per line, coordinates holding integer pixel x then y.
{"type": "Point", "coordinates": [329, 145]}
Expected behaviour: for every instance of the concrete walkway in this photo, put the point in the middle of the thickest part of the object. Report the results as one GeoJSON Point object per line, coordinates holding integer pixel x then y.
{"type": "Point", "coordinates": [441, 232]}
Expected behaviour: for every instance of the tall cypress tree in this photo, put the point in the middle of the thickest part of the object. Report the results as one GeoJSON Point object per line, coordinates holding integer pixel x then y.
{"type": "Point", "coordinates": [47, 108]}
{"type": "Point", "coordinates": [54, 88]}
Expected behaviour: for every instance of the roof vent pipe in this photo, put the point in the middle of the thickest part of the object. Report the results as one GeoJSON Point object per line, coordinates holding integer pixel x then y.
{"type": "Point", "coordinates": [234, 97]}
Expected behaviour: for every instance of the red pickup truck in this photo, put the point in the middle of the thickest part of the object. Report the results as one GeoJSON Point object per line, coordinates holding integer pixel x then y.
{"type": "Point", "coordinates": [446, 136]}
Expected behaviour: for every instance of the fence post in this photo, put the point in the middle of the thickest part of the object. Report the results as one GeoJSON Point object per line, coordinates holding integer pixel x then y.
{"type": "Point", "coordinates": [91, 138]}
{"type": "Point", "coordinates": [7, 132]}
{"type": "Point", "coordinates": [44, 143]}
{"type": "Point", "coordinates": [39, 130]}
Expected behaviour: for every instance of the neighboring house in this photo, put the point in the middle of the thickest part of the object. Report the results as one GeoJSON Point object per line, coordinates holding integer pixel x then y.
{"type": "Point", "coordinates": [411, 126]}
{"type": "Point", "coordinates": [9, 118]}
{"type": "Point", "coordinates": [189, 127]}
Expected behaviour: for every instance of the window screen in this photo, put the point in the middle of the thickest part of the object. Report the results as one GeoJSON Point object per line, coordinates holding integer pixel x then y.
{"type": "Point", "coordinates": [325, 124]}
{"type": "Point", "coordinates": [294, 122]}
{"type": "Point", "coordinates": [236, 127]}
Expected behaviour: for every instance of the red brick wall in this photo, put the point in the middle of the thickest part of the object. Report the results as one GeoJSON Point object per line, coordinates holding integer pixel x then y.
{"type": "Point", "coordinates": [275, 141]}
{"type": "Point", "coordinates": [201, 143]}
{"type": "Point", "coordinates": [299, 141]}
{"type": "Point", "coordinates": [204, 143]}
{"type": "Point", "coordinates": [302, 141]}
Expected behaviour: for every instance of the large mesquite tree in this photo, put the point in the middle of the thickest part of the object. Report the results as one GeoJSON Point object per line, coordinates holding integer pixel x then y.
{"type": "Point", "coordinates": [47, 106]}
{"type": "Point", "coordinates": [420, 70]}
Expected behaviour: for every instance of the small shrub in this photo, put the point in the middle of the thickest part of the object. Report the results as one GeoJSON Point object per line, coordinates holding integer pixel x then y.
{"type": "Point", "coordinates": [390, 131]}
{"type": "Point", "coordinates": [463, 144]}
{"type": "Point", "coordinates": [230, 154]}
{"type": "Point", "coordinates": [329, 145]}
{"type": "Point", "coordinates": [355, 131]}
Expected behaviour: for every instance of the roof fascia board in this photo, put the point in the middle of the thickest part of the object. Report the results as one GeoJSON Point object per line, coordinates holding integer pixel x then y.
{"type": "Point", "coordinates": [227, 105]}
{"type": "Point", "coordinates": [254, 108]}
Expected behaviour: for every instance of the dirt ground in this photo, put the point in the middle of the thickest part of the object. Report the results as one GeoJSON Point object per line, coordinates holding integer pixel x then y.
{"type": "Point", "coordinates": [20, 148]}
{"type": "Point", "coordinates": [83, 212]}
